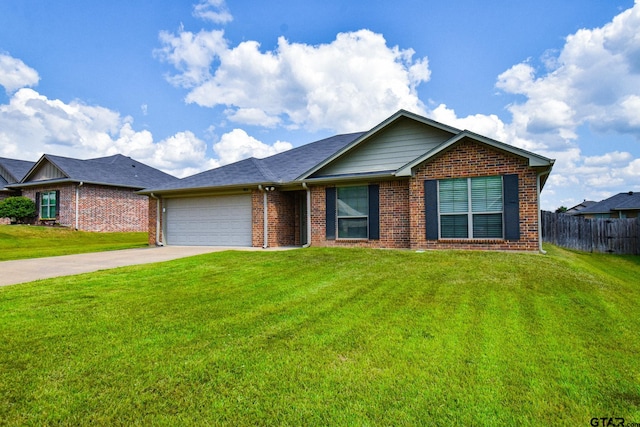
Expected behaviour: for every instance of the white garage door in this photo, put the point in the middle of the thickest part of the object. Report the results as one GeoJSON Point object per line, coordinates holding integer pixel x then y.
{"type": "Point", "coordinates": [209, 221]}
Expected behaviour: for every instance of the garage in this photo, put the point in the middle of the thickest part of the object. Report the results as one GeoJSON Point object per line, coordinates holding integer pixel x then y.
{"type": "Point", "coordinates": [209, 221]}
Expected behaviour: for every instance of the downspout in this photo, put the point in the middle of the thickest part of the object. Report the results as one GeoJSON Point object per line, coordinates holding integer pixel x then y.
{"type": "Point", "coordinates": [265, 217]}
{"type": "Point", "coordinates": [306, 245]}
{"type": "Point", "coordinates": [538, 189]}
{"type": "Point", "coordinates": [158, 242]}
{"type": "Point", "coordinates": [78, 202]}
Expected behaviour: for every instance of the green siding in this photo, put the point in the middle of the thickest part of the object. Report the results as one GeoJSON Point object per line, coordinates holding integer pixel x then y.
{"type": "Point", "coordinates": [389, 150]}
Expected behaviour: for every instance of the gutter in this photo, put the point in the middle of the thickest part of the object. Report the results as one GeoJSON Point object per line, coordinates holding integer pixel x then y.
{"type": "Point", "coordinates": [306, 245]}
{"type": "Point", "coordinates": [78, 202]}
{"type": "Point", "coordinates": [158, 242]}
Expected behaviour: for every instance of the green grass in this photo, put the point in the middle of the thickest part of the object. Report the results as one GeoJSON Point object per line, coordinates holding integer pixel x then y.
{"type": "Point", "coordinates": [28, 241]}
{"type": "Point", "coordinates": [328, 337]}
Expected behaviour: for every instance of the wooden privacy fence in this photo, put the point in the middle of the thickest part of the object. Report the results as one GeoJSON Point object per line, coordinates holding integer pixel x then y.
{"type": "Point", "coordinates": [608, 235]}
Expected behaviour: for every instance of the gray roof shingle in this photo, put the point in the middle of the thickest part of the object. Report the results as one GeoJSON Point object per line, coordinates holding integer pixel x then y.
{"type": "Point", "coordinates": [621, 201]}
{"type": "Point", "coordinates": [279, 168]}
{"type": "Point", "coordinates": [116, 170]}
{"type": "Point", "coordinates": [16, 168]}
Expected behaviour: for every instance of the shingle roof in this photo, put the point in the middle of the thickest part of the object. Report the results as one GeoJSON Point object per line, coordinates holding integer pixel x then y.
{"type": "Point", "coordinates": [116, 170]}
{"type": "Point", "coordinates": [279, 168]}
{"type": "Point", "coordinates": [621, 201]}
{"type": "Point", "coordinates": [16, 168]}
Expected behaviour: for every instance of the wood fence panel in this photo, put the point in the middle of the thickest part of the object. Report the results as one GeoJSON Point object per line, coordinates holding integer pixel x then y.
{"type": "Point", "coordinates": [606, 235]}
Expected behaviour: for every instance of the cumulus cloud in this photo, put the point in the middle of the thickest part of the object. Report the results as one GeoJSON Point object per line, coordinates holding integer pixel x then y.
{"type": "Point", "coordinates": [32, 125]}
{"type": "Point", "coordinates": [15, 74]}
{"type": "Point", "coordinates": [346, 85]}
{"type": "Point", "coordinates": [592, 82]}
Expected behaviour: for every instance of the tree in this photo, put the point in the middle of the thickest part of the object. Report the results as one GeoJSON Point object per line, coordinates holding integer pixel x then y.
{"type": "Point", "coordinates": [18, 209]}
{"type": "Point", "coordinates": [561, 209]}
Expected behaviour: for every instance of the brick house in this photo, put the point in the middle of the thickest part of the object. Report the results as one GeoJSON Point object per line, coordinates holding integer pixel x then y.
{"type": "Point", "coordinates": [409, 182]}
{"type": "Point", "coordinates": [91, 195]}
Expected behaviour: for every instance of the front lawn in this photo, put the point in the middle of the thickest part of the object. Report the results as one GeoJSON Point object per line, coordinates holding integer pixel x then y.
{"type": "Point", "coordinates": [29, 241]}
{"type": "Point", "coordinates": [328, 337]}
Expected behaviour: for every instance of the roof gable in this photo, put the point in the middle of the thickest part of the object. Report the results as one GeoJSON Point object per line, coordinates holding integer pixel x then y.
{"type": "Point", "coordinates": [379, 135]}
{"type": "Point", "coordinates": [12, 170]}
{"type": "Point", "coordinates": [116, 170]}
{"type": "Point", "coordinates": [386, 150]}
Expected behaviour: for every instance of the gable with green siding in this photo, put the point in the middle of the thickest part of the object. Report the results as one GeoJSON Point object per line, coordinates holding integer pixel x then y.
{"type": "Point", "coordinates": [387, 150]}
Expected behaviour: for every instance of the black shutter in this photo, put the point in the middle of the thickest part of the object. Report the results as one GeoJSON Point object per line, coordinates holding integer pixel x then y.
{"type": "Point", "coordinates": [374, 212]}
{"type": "Point", "coordinates": [57, 203]}
{"type": "Point", "coordinates": [37, 204]}
{"type": "Point", "coordinates": [431, 209]}
{"type": "Point", "coordinates": [330, 214]}
{"type": "Point", "coordinates": [511, 207]}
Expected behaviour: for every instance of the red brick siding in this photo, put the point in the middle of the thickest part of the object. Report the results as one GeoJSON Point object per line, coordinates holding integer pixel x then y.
{"type": "Point", "coordinates": [101, 208]}
{"type": "Point", "coordinates": [471, 159]}
{"type": "Point", "coordinates": [153, 218]}
{"type": "Point", "coordinates": [281, 213]}
{"type": "Point", "coordinates": [394, 218]}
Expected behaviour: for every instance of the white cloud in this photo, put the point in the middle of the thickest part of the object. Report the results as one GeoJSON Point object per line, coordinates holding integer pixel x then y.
{"type": "Point", "coordinates": [215, 11]}
{"type": "Point", "coordinates": [32, 125]}
{"type": "Point", "coordinates": [237, 145]}
{"type": "Point", "coordinates": [346, 85]}
{"type": "Point", "coordinates": [15, 74]}
{"type": "Point", "coordinates": [595, 80]}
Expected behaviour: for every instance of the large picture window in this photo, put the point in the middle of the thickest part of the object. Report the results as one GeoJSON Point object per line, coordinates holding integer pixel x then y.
{"type": "Point", "coordinates": [353, 212]}
{"type": "Point", "coordinates": [48, 203]}
{"type": "Point", "coordinates": [471, 208]}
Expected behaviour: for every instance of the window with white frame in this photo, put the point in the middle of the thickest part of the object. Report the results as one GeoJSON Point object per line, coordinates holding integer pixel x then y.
{"type": "Point", "coordinates": [471, 208]}
{"type": "Point", "coordinates": [353, 212]}
{"type": "Point", "coordinates": [48, 205]}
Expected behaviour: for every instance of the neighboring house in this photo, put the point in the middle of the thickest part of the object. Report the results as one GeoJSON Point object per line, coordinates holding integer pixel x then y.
{"type": "Point", "coordinates": [11, 172]}
{"type": "Point", "coordinates": [580, 206]}
{"type": "Point", "coordinates": [91, 195]}
{"type": "Point", "coordinates": [409, 182]}
{"type": "Point", "coordinates": [622, 205]}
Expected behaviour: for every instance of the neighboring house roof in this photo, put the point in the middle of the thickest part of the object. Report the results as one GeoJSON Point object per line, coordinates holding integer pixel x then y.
{"type": "Point", "coordinates": [116, 170]}
{"type": "Point", "coordinates": [12, 171]}
{"type": "Point", "coordinates": [328, 159]}
{"type": "Point", "coordinates": [620, 202]}
{"type": "Point", "coordinates": [580, 206]}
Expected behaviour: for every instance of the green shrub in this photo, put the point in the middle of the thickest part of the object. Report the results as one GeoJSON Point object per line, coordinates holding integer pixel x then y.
{"type": "Point", "coordinates": [18, 209]}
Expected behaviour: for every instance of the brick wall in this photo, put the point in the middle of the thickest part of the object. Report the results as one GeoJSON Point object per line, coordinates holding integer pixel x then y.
{"type": "Point", "coordinates": [101, 208]}
{"type": "Point", "coordinates": [394, 218]}
{"type": "Point", "coordinates": [471, 159]}
{"type": "Point", "coordinates": [282, 223]}
{"type": "Point", "coordinates": [153, 218]}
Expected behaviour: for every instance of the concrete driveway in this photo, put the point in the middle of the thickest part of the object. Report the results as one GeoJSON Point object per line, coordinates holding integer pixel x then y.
{"type": "Point", "coordinates": [28, 270]}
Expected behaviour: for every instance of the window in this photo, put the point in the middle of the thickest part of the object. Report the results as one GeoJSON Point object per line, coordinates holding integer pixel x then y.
{"type": "Point", "coordinates": [48, 203]}
{"type": "Point", "coordinates": [471, 208]}
{"type": "Point", "coordinates": [353, 212]}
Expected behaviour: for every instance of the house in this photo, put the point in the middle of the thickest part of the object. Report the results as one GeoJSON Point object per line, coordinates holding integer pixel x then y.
{"type": "Point", "coordinates": [91, 195]}
{"type": "Point", "coordinates": [410, 182]}
{"type": "Point", "coordinates": [580, 206]}
{"type": "Point", "coordinates": [622, 205]}
{"type": "Point", "coordinates": [11, 172]}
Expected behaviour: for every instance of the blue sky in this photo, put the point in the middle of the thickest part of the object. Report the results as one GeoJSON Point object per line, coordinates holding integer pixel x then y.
{"type": "Point", "coordinates": [187, 86]}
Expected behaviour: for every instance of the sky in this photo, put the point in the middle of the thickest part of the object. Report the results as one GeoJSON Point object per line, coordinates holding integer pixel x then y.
{"type": "Point", "coordinates": [187, 86]}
